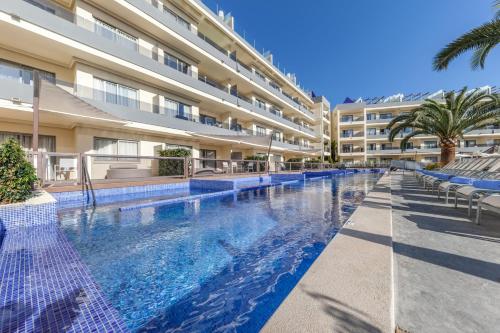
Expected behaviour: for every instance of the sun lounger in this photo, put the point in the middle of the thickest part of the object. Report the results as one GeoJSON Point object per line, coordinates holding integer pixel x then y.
{"type": "Point", "coordinates": [478, 188]}
{"type": "Point", "coordinates": [490, 203]}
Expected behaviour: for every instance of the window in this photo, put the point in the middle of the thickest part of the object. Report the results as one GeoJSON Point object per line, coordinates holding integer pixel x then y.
{"type": "Point", "coordinates": [430, 144]}
{"type": "Point", "coordinates": [346, 118]}
{"type": "Point", "coordinates": [371, 146]}
{"type": "Point", "coordinates": [409, 145]}
{"type": "Point", "coordinates": [236, 155]}
{"type": "Point", "coordinates": [177, 109]}
{"type": "Point", "coordinates": [347, 133]}
{"type": "Point", "coordinates": [347, 148]}
{"type": "Point", "coordinates": [407, 130]}
{"type": "Point", "coordinates": [208, 154]}
{"type": "Point", "coordinates": [371, 116]}
{"type": "Point", "coordinates": [176, 17]}
{"type": "Point", "coordinates": [470, 143]}
{"type": "Point", "coordinates": [116, 35]}
{"type": "Point", "coordinates": [261, 131]}
{"type": "Point", "coordinates": [259, 74]}
{"type": "Point", "coordinates": [260, 103]}
{"type": "Point", "coordinates": [386, 146]}
{"type": "Point", "coordinates": [385, 115]}
{"type": "Point", "coordinates": [278, 136]}
{"type": "Point", "coordinates": [114, 93]}
{"type": "Point", "coordinates": [46, 143]}
{"type": "Point", "coordinates": [208, 120]}
{"type": "Point", "coordinates": [176, 63]}
{"type": "Point", "coordinates": [106, 146]}
{"type": "Point", "coordinates": [372, 131]}
{"type": "Point", "coordinates": [276, 111]}
{"type": "Point", "coordinates": [22, 74]}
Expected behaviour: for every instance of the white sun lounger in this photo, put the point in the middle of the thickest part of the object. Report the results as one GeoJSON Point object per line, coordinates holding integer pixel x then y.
{"type": "Point", "coordinates": [490, 203]}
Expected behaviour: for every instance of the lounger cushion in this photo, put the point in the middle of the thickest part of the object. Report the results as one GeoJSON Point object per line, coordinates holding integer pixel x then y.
{"type": "Point", "coordinates": [462, 180]}
{"type": "Point", "coordinates": [489, 184]}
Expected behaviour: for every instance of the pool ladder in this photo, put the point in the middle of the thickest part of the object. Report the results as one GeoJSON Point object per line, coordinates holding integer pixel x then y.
{"type": "Point", "coordinates": [87, 183]}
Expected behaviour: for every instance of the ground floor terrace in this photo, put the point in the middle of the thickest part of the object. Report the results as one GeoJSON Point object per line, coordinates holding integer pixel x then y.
{"type": "Point", "coordinates": [340, 250]}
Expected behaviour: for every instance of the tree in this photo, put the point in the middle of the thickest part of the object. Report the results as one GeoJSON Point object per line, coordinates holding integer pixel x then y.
{"type": "Point", "coordinates": [458, 114]}
{"type": "Point", "coordinates": [481, 40]}
{"type": "Point", "coordinates": [17, 175]}
{"type": "Point", "coordinates": [334, 147]}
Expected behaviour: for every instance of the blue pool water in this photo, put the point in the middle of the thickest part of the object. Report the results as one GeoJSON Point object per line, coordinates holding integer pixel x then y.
{"type": "Point", "coordinates": [221, 264]}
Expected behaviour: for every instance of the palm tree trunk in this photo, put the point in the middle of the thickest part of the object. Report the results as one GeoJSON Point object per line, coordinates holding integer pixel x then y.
{"type": "Point", "coordinates": [447, 153]}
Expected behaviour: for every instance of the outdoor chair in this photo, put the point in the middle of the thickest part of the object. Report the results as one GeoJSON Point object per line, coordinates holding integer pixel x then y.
{"type": "Point", "coordinates": [492, 168]}
{"type": "Point", "coordinates": [490, 203]}
{"type": "Point", "coordinates": [470, 170]}
{"type": "Point", "coordinates": [475, 190]}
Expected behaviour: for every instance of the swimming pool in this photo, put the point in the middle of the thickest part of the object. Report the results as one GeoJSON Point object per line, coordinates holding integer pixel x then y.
{"type": "Point", "coordinates": [218, 264]}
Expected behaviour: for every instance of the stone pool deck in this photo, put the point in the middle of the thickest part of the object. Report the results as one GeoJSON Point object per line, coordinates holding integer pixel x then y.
{"type": "Point", "coordinates": [349, 286]}
{"type": "Point", "coordinates": [447, 268]}
{"type": "Point", "coordinates": [407, 260]}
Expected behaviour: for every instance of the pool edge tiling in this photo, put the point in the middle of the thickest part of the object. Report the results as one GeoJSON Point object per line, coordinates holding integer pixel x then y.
{"type": "Point", "coordinates": [44, 285]}
{"type": "Point", "coordinates": [195, 206]}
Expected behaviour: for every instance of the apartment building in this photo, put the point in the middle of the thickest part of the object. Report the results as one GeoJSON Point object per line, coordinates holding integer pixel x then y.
{"type": "Point", "coordinates": [362, 133]}
{"type": "Point", "coordinates": [323, 126]}
{"type": "Point", "coordinates": [131, 77]}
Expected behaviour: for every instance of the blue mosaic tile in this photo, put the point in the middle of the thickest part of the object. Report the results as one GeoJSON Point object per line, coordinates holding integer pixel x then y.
{"type": "Point", "coordinates": [209, 184]}
{"type": "Point", "coordinates": [44, 286]}
{"type": "Point", "coordinates": [283, 177]}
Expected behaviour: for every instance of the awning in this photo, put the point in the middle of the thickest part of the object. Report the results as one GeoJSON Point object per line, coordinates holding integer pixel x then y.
{"type": "Point", "coordinates": [256, 141]}
{"type": "Point", "coordinates": [55, 99]}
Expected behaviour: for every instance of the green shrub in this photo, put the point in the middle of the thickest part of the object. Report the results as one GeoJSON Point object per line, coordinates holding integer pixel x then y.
{"type": "Point", "coordinates": [17, 175]}
{"type": "Point", "coordinates": [261, 166]}
{"type": "Point", "coordinates": [172, 167]}
{"type": "Point", "coordinates": [295, 165]}
{"type": "Point", "coordinates": [432, 166]}
{"type": "Point", "coordinates": [256, 158]}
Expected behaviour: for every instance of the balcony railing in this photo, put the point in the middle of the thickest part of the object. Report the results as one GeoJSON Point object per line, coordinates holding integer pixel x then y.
{"type": "Point", "coordinates": [351, 120]}
{"type": "Point", "coordinates": [116, 38]}
{"type": "Point", "coordinates": [353, 150]}
{"type": "Point", "coordinates": [352, 135]}
{"type": "Point", "coordinates": [240, 67]}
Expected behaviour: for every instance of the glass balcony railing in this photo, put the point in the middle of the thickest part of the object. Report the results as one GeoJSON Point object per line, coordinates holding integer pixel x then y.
{"type": "Point", "coordinates": [247, 70]}
{"type": "Point", "coordinates": [351, 120]}
{"type": "Point", "coordinates": [127, 42]}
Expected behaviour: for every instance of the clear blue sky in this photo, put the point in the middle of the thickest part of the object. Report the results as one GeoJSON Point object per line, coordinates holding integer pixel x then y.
{"type": "Point", "coordinates": [365, 48]}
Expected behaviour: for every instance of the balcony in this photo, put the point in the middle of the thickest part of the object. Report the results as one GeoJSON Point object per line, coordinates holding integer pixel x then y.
{"type": "Point", "coordinates": [398, 151]}
{"type": "Point", "coordinates": [377, 136]}
{"type": "Point", "coordinates": [351, 120]}
{"type": "Point", "coordinates": [138, 111]}
{"type": "Point", "coordinates": [379, 120]}
{"type": "Point", "coordinates": [352, 136]}
{"type": "Point", "coordinates": [215, 50]}
{"type": "Point", "coordinates": [84, 32]}
{"type": "Point", "coordinates": [488, 131]}
{"type": "Point", "coordinates": [352, 151]}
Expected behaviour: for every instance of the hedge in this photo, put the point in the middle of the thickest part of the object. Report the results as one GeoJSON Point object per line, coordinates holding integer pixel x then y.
{"type": "Point", "coordinates": [17, 175]}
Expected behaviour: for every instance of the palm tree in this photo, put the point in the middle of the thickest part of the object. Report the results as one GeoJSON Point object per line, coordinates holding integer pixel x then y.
{"type": "Point", "coordinates": [449, 119]}
{"type": "Point", "coordinates": [481, 40]}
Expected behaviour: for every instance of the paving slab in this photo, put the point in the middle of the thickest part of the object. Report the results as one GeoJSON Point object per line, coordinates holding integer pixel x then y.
{"type": "Point", "coordinates": [349, 286]}
{"type": "Point", "coordinates": [447, 268]}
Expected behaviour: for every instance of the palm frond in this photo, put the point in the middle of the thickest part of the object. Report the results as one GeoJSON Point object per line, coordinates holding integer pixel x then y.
{"type": "Point", "coordinates": [484, 37]}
